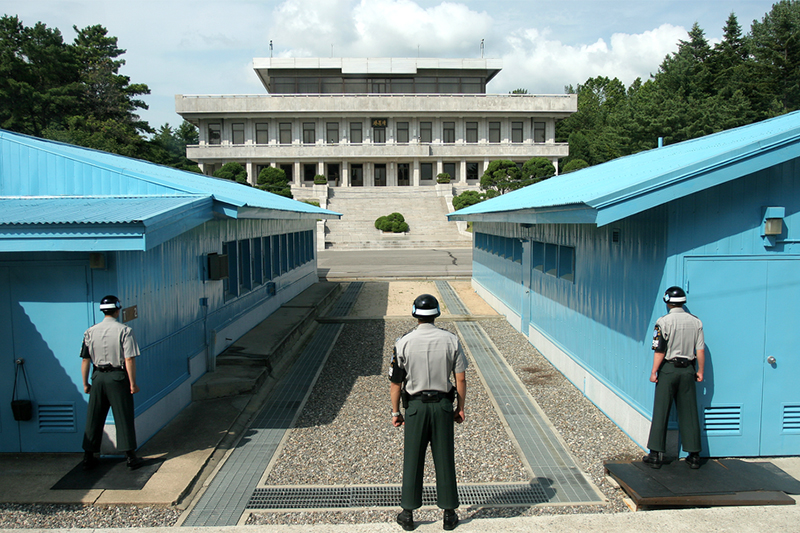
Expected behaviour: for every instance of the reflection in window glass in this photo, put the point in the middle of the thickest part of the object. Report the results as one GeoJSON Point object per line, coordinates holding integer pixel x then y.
{"type": "Point", "coordinates": [309, 133]}
{"type": "Point", "coordinates": [285, 132]}
{"type": "Point", "coordinates": [566, 263]}
{"type": "Point", "coordinates": [426, 171]}
{"type": "Point", "coordinates": [426, 132]}
{"type": "Point", "coordinates": [214, 133]}
{"type": "Point", "coordinates": [356, 134]}
{"type": "Point", "coordinates": [262, 133]}
{"type": "Point", "coordinates": [402, 132]}
{"type": "Point", "coordinates": [237, 131]}
{"type": "Point", "coordinates": [551, 259]}
{"type": "Point", "coordinates": [332, 129]}
{"type": "Point", "coordinates": [516, 132]}
{"type": "Point", "coordinates": [538, 132]}
{"type": "Point", "coordinates": [449, 132]}
{"type": "Point", "coordinates": [472, 132]}
{"type": "Point", "coordinates": [494, 132]}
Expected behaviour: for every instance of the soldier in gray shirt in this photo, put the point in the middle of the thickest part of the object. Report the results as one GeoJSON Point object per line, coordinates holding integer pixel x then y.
{"type": "Point", "coordinates": [678, 362]}
{"type": "Point", "coordinates": [423, 362]}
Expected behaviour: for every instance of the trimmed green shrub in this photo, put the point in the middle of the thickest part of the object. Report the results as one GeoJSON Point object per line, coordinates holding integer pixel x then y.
{"type": "Point", "coordinates": [574, 164]}
{"type": "Point", "coordinates": [319, 179]}
{"type": "Point", "coordinates": [394, 223]}
{"type": "Point", "coordinates": [443, 177]}
{"type": "Point", "coordinates": [467, 198]}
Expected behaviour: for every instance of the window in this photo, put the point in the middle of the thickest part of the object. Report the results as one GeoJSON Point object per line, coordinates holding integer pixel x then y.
{"type": "Point", "coordinates": [245, 282]}
{"type": "Point", "coordinates": [426, 171]}
{"type": "Point", "coordinates": [403, 174]}
{"type": "Point", "coordinates": [356, 134]}
{"type": "Point", "coordinates": [285, 130]}
{"type": "Point", "coordinates": [425, 85]}
{"type": "Point", "coordinates": [333, 172]}
{"type": "Point", "coordinates": [403, 86]}
{"type": "Point", "coordinates": [309, 171]}
{"type": "Point", "coordinates": [332, 129]}
{"type": "Point", "coordinates": [402, 132]}
{"type": "Point", "coordinates": [275, 244]}
{"type": "Point", "coordinates": [282, 85]}
{"type": "Point", "coordinates": [332, 85]}
{"type": "Point", "coordinates": [450, 168]}
{"type": "Point", "coordinates": [537, 256]}
{"type": "Point", "coordinates": [357, 175]}
{"type": "Point", "coordinates": [449, 132]}
{"type": "Point", "coordinates": [355, 85]}
{"type": "Point", "coordinates": [538, 132]}
{"type": "Point", "coordinates": [472, 171]}
{"type": "Point", "coordinates": [262, 133]}
{"type": "Point", "coordinates": [378, 85]}
{"type": "Point", "coordinates": [472, 132]}
{"type": "Point", "coordinates": [494, 132]}
{"type": "Point", "coordinates": [516, 132]}
{"type": "Point", "coordinates": [258, 262]}
{"type": "Point", "coordinates": [267, 259]}
{"type": "Point", "coordinates": [308, 85]}
{"type": "Point", "coordinates": [284, 244]}
{"type": "Point", "coordinates": [380, 174]}
{"type": "Point", "coordinates": [237, 132]}
{"type": "Point", "coordinates": [448, 85]}
{"type": "Point", "coordinates": [426, 132]}
{"type": "Point", "coordinates": [309, 133]}
{"type": "Point", "coordinates": [379, 135]}
{"type": "Point", "coordinates": [214, 133]}
{"type": "Point", "coordinates": [230, 284]}
{"type": "Point", "coordinates": [566, 263]}
{"type": "Point", "coordinates": [550, 259]}
{"type": "Point", "coordinates": [289, 171]}
{"type": "Point", "coordinates": [471, 85]}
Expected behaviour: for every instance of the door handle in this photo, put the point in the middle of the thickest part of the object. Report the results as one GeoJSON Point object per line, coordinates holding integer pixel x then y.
{"type": "Point", "coordinates": [771, 360]}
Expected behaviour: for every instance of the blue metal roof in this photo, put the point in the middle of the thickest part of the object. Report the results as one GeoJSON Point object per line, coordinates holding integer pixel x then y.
{"type": "Point", "coordinates": [48, 190]}
{"type": "Point", "coordinates": [628, 185]}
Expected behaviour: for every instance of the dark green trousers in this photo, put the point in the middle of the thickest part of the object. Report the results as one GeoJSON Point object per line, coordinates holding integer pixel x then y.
{"type": "Point", "coordinates": [429, 423]}
{"type": "Point", "coordinates": [675, 384]}
{"type": "Point", "coordinates": [110, 389]}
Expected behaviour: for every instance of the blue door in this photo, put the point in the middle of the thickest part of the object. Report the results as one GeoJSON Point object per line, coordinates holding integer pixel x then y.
{"type": "Point", "coordinates": [750, 405]}
{"type": "Point", "coordinates": [49, 309]}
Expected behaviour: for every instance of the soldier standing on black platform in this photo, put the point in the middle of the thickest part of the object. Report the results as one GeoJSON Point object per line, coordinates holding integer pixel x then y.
{"type": "Point", "coordinates": [678, 362]}
{"type": "Point", "coordinates": [423, 361]}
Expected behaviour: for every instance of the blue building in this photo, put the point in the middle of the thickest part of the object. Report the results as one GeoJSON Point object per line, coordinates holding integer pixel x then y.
{"type": "Point", "coordinates": [196, 262]}
{"type": "Point", "coordinates": [579, 263]}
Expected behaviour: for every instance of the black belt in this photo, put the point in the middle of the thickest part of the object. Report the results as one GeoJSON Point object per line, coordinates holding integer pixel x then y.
{"type": "Point", "coordinates": [107, 368]}
{"type": "Point", "coordinates": [432, 396]}
{"type": "Point", "coordinates": [680, 362]}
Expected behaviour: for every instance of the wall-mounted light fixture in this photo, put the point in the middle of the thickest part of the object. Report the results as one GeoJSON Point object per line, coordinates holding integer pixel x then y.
{"type": "Point", "coordinates": [772, 224]}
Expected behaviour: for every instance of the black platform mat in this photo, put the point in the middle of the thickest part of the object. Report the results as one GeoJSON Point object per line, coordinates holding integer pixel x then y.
{"type": "Point", "coordinates": [111, 473]}
{"type": "Point", "coordinates": [716, 483]}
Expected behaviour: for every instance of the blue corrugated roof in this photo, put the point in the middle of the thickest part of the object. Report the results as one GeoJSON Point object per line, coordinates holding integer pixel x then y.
{"type": "Point", "coordinates": [75, 171]}
{"type": "Point", "coordinates": [628, 185]}
{"type": "Point", "coordinates": [64, 210]}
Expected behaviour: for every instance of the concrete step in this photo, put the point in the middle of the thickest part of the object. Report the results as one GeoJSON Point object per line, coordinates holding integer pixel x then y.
{"type": "Point", "coordinates": [267, 350]}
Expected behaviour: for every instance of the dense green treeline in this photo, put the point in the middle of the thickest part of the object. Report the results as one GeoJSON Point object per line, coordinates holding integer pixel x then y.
{"type": "Point", "coordinates": [73, 92]}
{"type": "Point", "coordinates": [696, 91]}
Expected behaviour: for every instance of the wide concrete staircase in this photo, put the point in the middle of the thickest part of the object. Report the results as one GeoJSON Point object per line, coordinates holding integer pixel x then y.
{"type": "Point", "coordinates": [424, 210]}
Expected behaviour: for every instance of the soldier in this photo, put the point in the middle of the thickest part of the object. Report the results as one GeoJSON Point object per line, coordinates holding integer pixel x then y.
{"type": "Point", "coordinates": [678, 362]}
{"type": "Point", "coordinates": [109, 349]}
{"type": "Point", "coordinates": [423, 361]}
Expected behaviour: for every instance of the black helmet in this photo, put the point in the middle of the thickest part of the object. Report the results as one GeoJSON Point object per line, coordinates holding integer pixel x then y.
{"type": "Point", "coordinates": [109, 304]}
{"type": "Point", "coordinates": [675, 295]}
{"type": "Point", "coordinates": [425, 306]}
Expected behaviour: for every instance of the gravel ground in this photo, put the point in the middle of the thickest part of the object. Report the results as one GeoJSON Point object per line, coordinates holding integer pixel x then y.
{"type": "Point", "coordinates": [344, 436]}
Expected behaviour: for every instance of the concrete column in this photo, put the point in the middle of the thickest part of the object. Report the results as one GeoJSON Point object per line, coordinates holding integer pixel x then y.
{"type": "Point", "coordinates": [391, 174]}
{"type": "Point", "coordinates": [345, 174]}
{"type": "Point", "coordinates": [252, 178]}
{"type": "Point", "coordinates": [321, 167]}
{"type": "Point", "coordinates": [462, 172]}
{"type": "Point", "coordinates": [415, 173]}
{"type": "Point", "coordinates": [298, 174]}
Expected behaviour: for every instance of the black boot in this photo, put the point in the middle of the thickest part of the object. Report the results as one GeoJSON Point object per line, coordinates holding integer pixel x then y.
{"type": "Point", "coordinates": [133, 461]}
{"type": "Point", "coordinates": [654, 459]}
{"type": "Point", "coordinates": [406, 520]}
{"type": "Point", "coordinates": [89, 461]}
{"type": "Point", "coordinates": [693, 460]}
{"type": "Point", "coordinates": [450, 520]}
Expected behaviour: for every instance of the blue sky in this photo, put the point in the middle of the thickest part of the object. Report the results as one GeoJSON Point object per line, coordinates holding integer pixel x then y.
{"type": "Point", "coordinates": [207, 47]}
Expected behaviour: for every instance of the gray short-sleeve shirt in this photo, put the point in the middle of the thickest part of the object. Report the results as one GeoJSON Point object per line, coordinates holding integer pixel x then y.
{"type": "Point", "coordinates": [109, 342]}
{"type": "Point", "coordinates": [429, 355]}
{"type": "Point", "coordinates": [683, 333]}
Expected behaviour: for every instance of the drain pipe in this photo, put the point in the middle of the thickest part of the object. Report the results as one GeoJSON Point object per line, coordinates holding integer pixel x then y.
{"type": "Point", "coordinates": [660, 142]}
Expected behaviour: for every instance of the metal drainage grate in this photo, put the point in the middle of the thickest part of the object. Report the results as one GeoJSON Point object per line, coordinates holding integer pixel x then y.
{"type": "Point", "coordinates": [348, 497]}
{"type": "Point", "coordinates": [451, 299]}
{"type": "Point", "coordinates": [348, 298]}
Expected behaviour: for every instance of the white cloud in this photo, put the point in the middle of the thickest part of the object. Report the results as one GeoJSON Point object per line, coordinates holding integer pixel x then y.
{"type": "Point", "coordinates": [542, 65]}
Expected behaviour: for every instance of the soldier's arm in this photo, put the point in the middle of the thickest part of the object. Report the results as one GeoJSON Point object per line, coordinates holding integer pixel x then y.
{"type": "Point", "coordinates": [701, 364]}
{"type": "Point", "coordinates": [461, 387]}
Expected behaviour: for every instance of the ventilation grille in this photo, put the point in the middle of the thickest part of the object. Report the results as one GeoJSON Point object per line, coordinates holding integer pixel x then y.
{"type": "Point", "coordinates": [726, 420]}
{"type": "Point", "coordinates": [57, 417]}
{"type": "Point", "coordinates": [791, 418]}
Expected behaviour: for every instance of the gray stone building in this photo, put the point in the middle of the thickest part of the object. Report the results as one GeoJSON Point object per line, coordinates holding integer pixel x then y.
{"type": "Point", "coordinates": [374, 122]}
